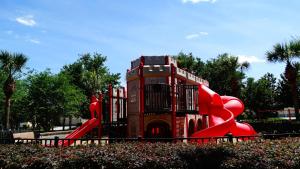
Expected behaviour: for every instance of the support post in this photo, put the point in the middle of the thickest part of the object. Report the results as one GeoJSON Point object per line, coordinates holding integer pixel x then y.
{"type": "Point", "coordinates": [118, 110]}
{"type": "Point", "coordinates": [173, 101]}
{"type": "Point", "coordinates": [110, 102]}
{"type": "Point", "coordinates": [56, 139]}
{"type": "Point", "coordinates": [118, 105]}
{"type": "Point", "coordinates": [124, 103]}
{"type": "Point", "coordinates": [142, 84]}
{"type": "Point", "coordinates": [110, 106]}
{"type": "Point", "coordinates": [100, 116]}
{"type": "Point", "coordinates": [167, 63]}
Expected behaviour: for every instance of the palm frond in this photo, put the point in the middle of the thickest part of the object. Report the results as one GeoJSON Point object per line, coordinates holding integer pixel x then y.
{"type": "Point", "coordinates": [278, 53]}
{"type": "Point", "coordinates": [5, 60]}
{"type": "Point", "coordinates": [19, 61]}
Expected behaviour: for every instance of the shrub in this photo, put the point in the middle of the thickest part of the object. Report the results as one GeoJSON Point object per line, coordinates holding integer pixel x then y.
{"type": "Point", "coordinates": [245, 155]}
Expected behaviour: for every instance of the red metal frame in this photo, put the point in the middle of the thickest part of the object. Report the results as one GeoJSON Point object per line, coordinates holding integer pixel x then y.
{"type": "Point", "coordinates": [118, 106]}
{"type": "Point", "coordinates": [167, 63]}
{"type": "Point", "coordinates": [187, 125]}
{"type": "Point", "coordinates": [142, 84]}
{"type": "Point", "coordinates": [100, 115]}
{"type": "Point", "coordinates": [127, 128]}
{"type": "Point", "coordinates": [110, 102]}
{"type": "Point", "coordinates": [173, 101]}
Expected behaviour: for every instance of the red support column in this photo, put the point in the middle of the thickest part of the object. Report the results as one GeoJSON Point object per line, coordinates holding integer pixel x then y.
{"type": "Point", "coordinates": [142, 84]}
{"type": "Point", "coordinates": [167, 63]}
{"type": "Point", "coordinates": [118, 107]}
{"type": "Point", "coordinates": [100, 100]}
{"type": "Point", "coordinates": [127, 100]}
{"type": "Point", "coordinates": [110, 101]}
{"type": "Point", "coordinates": [173, 100]}
{"type": "Point", "coordinates": [124, 100]}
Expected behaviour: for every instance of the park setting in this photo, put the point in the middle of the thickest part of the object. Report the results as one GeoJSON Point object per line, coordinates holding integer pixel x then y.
{"type": "Point", "coordinates": [162, 84]}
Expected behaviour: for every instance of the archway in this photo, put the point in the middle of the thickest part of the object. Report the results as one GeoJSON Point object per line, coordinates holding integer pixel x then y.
{"type": "Point", "coordinates": [191, 128]}
{"type": "Point", "coordinates": [199, 124]}
{"type": "Point", "coordinates": [158, 129]}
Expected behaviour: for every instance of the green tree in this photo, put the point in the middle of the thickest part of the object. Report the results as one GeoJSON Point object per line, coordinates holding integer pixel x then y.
{"type": "Point", "coordinates": [2, 99]}
{"type": "Point", "coordinates": [191, 63]}
{"type": "Point", "coordinates": [285, 52]}
{"type": "Point", "coordinates": [248, 94]}
{"type": "Point", "coordinates": [90, 74]}
{"type": "Point", "coordinates": [19, 103]}
{"type": "Point", "coordinates": [51, 97]}
{"type": "Point", "coordinates": [284, 94]}
{"type": "Point", "coordinates": [260, 96]}
{"type": "Point", "coordinates": [12, 64]}
{"type": "Point", "coordinates": [224, 75]}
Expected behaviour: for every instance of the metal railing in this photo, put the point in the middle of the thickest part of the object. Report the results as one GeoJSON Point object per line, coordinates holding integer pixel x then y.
{"type": "Point", "coordinates": [157, 98]}
{"type": "Point", "coordinates": [187, 98]}
{"type": "Point", "coordinates": [57, 142]}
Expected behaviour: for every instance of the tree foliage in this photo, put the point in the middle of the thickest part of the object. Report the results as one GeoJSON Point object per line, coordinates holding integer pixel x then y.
{"type": "Point", "coordinates": [190, 63]}
{"type": "Point", "coordinates": [11, 64]}
{"type": "Point", "coordinates": [90, 74]}
{"type": "Point", "coordinates": [260, 96]}
{"type": "Point", "coordinates": [51, 97]}
{"type": "Point", "coordinates": [224, 73]}
{"type": "Point", "coordinates": [285, 52]}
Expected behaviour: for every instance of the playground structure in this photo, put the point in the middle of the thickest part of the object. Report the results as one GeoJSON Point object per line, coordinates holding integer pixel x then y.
{"type": "Point", "coordinates": [163, 101]}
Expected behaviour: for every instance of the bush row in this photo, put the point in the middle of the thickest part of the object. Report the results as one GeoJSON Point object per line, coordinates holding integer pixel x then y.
{"type": "Point", "coordinates": [245, 155]}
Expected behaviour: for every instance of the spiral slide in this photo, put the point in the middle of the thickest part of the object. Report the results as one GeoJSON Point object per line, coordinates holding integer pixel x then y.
{"type": "Point", "coordinates": [221, 111]}
{"type": "Point", "coordinates": [79, 132]}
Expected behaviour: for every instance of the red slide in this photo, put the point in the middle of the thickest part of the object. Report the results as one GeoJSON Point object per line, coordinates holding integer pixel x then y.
{"type": "Point", "coordinates": [221, 111]}
{"type": "Point", "coordinates": [79, 132]}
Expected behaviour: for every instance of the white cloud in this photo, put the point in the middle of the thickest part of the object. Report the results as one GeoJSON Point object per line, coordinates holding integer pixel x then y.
{"type": "Point", "coordinates": [197, 1]}
{"type": "Point", "coordinates": [26, 20]}
{"type": "Point", "coordinates": [34, 41]}
{"type": "Point", "coordinates": [250, 59]}
{"type": "Point", "coordinates": [192, 36]}
{"type": "Point", "coordinates": [203, 33]}
{"type": "Point", "coordinates": [195, 35]}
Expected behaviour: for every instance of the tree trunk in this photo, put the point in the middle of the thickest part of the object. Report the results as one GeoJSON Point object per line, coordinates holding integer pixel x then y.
{"type": "Point", "coordinates": [64, 123]}
{"type": "Point", "coordinates": [295, 99]}
{"type": "Point", "coordinates": [70, 122]}
{"type": "Point", "coordinates": [7, 112]}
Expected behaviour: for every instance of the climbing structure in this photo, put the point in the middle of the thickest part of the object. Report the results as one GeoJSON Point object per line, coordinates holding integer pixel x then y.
{"type": "Point", "coordinates": [166, 101]}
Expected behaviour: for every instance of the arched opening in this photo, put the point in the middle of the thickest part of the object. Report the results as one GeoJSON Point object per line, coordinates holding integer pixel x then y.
{"type": "Point", "coordinates": [191, 128]}
{"type": "Point", "coordinates": [158, 129]}
{"type": "Point", "coordinates": [199, 124]}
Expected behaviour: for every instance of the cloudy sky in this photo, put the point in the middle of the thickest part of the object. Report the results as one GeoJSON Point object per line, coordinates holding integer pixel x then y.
{"type": "Point", "coordinates": [53, 33]}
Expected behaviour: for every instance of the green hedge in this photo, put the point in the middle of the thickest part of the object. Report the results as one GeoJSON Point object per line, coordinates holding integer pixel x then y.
{"type": "Point", "coordinates": [246, 155]}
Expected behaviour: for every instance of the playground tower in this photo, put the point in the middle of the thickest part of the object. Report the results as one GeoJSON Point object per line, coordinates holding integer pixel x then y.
{"type": "Point", "coordinates": [162, 99]}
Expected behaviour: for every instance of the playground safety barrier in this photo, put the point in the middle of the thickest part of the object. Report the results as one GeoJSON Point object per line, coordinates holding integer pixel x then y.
{"type": "Point", "coordinates": [54, 142]}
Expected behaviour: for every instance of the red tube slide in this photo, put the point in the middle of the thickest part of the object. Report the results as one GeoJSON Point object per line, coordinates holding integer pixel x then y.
{"type": "Point", "coordinates": [221, 111]}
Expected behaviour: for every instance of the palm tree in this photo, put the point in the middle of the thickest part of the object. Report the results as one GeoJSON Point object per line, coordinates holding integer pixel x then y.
{"type": "Point", "coordinates": [285, 52]}
{"type": "Point", "coordinates": [244, 66]}
{"type": "Point", "coordinates": [11, 64]}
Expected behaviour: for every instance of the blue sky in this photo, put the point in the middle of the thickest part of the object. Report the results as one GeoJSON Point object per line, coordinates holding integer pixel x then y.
{"type": "Point", "coordinates": [53, 33]}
